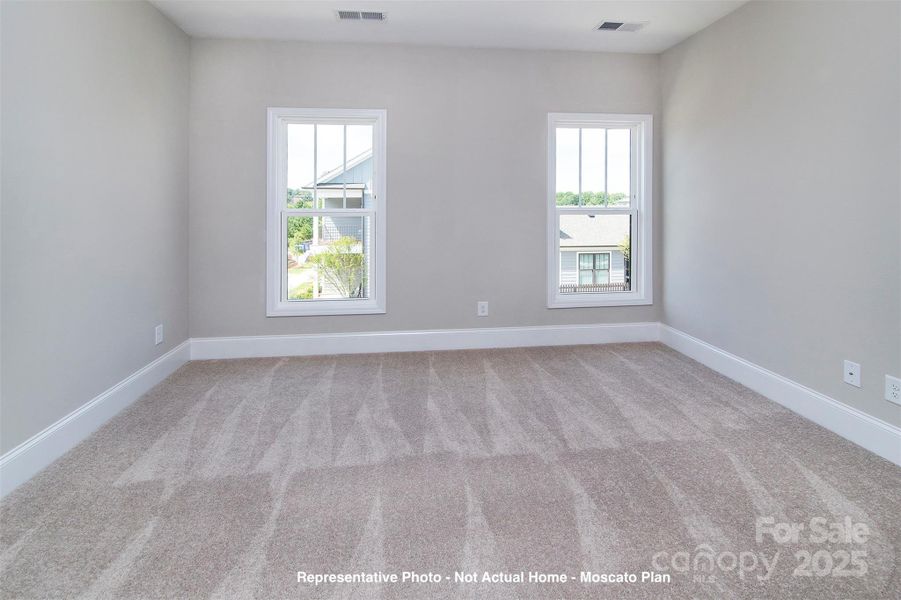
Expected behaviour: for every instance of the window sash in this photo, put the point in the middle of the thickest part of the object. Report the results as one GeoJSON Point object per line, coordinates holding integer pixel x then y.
{"type": "Point", "coordinates": [336, 213]}
{"type": "Point", "coordinates": [580, 158]}
{"type": "Point", "coordinates": [345, 123]}
{"type": "Point", "coordinates": [319, 212]}
{"type": "Point", "coordinates": [633, 230]}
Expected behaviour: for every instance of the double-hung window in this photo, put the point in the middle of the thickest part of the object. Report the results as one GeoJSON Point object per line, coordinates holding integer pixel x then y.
{"type": "Point", "coordinates": [599, 209]}
{"type": "Point", "coordinates": [326, 212]}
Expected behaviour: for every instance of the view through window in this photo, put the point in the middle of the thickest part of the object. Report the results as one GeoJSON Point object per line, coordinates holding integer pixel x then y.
{"type": "Point", "coordinates": [597, 205]}
{"type": "Point", "coordinates": [326, 207]}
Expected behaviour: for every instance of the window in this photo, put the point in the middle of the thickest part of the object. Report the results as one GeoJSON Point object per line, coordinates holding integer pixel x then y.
{"type": "Point", "coordinates": [594, 269]}
{"type": "Point", "coordinates": [326, 212]}
{"type": "Point", "coordinates": [599, 210]}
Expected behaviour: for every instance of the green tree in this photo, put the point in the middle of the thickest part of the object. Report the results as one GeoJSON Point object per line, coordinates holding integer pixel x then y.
{"type": "Point", "coordinates": [590, 198]}
{"type": "Point", "coordinates": [299, 198]}
{"type": "Point", "coordinates": [567, 199]}
{"type": "Point", "coordinates": [343, 266]}
{"type": "Point", "coordinates": [625, 247]}
{"type": "Point", "coordinates": [300, 229]}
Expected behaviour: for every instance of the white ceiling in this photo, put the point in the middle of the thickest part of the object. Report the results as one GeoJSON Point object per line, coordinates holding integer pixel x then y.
{"type": "Point", "coordinates": [558, 25]}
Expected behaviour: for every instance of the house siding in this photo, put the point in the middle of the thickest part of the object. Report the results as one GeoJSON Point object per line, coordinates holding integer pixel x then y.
{"type": "Point", "coordinates": [569, 272]}
{"type": "Point", "coordinates": [361, 173]}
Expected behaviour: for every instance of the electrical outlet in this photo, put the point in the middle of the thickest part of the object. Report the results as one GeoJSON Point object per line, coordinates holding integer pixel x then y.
{"type": "Point", "coordinates": [158, 334]}
{"type": "Point", "coordinates": [482, 308]}
{"type": "Point", "coordinates": [852, 373]}
{"type": "Point", "coordinates": [893, 389]}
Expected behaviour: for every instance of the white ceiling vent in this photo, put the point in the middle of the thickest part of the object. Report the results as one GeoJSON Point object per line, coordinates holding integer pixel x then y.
{"type": "Point", "coordinates": [620, 26]}
{"type": "Point", "coordinates": [360, 15]}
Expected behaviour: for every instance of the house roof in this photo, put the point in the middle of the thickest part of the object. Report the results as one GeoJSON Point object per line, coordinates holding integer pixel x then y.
{"type": "Point", "coordinates": [329, 176]}
{"type": "Point", "coordinates": [585, 230]}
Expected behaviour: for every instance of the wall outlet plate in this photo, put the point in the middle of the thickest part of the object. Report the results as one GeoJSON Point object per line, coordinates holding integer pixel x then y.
{"type": "Point", "coordinates": [852, 373]}
{"type": "Point", "coordinates": [893, 389]}
{"type": "Point", "coordinates": [158, 335]}
{"type": "Point", "coordinates": [482, 308]}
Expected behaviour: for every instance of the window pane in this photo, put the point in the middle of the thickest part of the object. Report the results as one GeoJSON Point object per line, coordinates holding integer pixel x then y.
{"type": "Point", "coordinates": [330, 165]}
{"type": "Point", "coordinates": [358, 176]}
{"type": "Point", "coordinates": [594, 253]}
{"type": "Point", "coordinates": [328, 257]}
{"type": "Point", "coordinates": [619, 162]}
{"type": "Point", "coordinates": [359, 141]}
{"type": "Point", "coordinates": [593, 176]}
{"type": "Point", "coordinates": [300, 166]}
{"type": "Point", "coordinates": [300, 277]}
{"type": "Point", "coordinates": [602, 261]}
{"type": "Point", "coordinates": [567, 166]}
{"type": "Point", "coordinates": [586, 261]}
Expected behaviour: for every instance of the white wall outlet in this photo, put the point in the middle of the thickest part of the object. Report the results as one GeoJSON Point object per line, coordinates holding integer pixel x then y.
{"type": "Point", "coordinates": [482, 308]}
{"type": "Point", "coordinates": [852, 373]}
{"type": "Point", "coordinates": [893, 389]}
{"type": "Point", "coordinates": [158, 335]}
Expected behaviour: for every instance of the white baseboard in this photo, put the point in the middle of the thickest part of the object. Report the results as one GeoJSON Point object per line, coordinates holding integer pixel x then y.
{"type": "Point", "coordinates": [25, 460]}
{"type": "Point", "coordinates": [409, 341]}
{"type": "Point", "coordinates": [871, 433]}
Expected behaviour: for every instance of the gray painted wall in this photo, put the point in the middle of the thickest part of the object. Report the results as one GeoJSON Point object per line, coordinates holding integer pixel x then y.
{"type": "Point", "coordinates": [466, 174]}
{"type": "Point", "coordinates": [94, 202]}
{"type": "Point", "coordinates": [781, 191]}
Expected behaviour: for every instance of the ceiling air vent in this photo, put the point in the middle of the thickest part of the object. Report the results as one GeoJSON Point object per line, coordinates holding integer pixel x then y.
{"type": "Point", "coordinates": [619, 26]}
{"type": "Point", "coordinates": [360, 15]}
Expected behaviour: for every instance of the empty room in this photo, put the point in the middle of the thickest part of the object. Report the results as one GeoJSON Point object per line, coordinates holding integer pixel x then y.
{"type": "Point", "coordinates": [450, 299]}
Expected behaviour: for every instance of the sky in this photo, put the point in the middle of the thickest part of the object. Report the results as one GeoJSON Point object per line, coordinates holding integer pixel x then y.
{"type": "Point", "coordinates": [618, 156]}
{"type": "Point", "coordinates": [330, 154]}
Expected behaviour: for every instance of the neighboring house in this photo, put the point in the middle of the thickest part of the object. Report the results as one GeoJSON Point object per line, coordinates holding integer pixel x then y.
{"type": "Point", "coordinates": [331, 192]}
{"type": "Point", "coordinates": [591, 256]}
{"type": "Point", "coordinates": [349, 187]}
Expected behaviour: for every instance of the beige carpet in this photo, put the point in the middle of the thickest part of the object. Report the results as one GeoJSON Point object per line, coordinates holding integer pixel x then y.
{"type": "Point", "coordinates": [232, 476]}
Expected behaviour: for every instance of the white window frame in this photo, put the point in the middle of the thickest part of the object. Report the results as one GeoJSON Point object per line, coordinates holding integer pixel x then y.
{"type": "Point", "coordinates": [640, 208]}
{"type": "Point", "coordinates": [277, 303]}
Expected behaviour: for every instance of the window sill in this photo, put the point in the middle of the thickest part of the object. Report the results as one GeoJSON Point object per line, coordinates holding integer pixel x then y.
{"type": "Point", "coordinates": [593, 301]}
{"type": "Point", "coordinates": [325, 308]}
